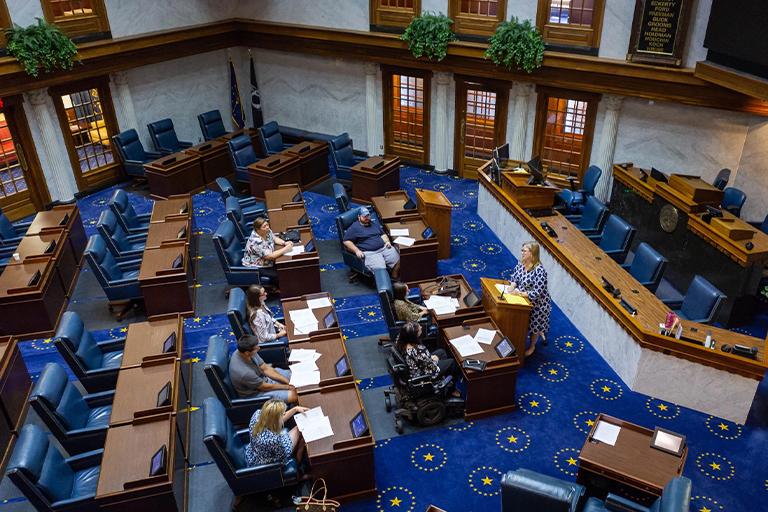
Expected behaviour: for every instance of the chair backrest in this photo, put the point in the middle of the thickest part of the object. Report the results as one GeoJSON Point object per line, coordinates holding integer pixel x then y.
{"type": "Point", "coordinates": [58, 402]}
{"type": "Point", "coordinates": [122, 208]}
{"type": "Point", "coordinates": [675, 497]}
{"type": "Point", "coordinates": [721, 180]}
{"type": "Point", "coordinates": [764, 225]}
{"type": "Point", "coordinates": [227, 245]}
{"type": "Point", "coordinates": [226, 187]}
{"type": "Point", "coordinates": [113, 233]}
{"type": "Point", "coordinates": [342, 199]}
{"type": "Point", "coordinates": [211, 124]}
{"type": "Point", "coordinates": [221, 439]}
{"type": "Point", "coordinates": [241, 151]}
{"type": "Point", "coordinates": [523, 489]}
{"type": "Point", "coordinates": [235, 214]}
{"type": "Point", "coordinates": [701, 300]}
{"type": "Point", "coordinates": [617, 234]}
{"type": "Point", "coordinates": [384, 290]}
{"type": "Point", "coordinates": [39, 470]}
{"type": "Point", "coordinates": [342, 150]}
{"type": "Point", "coordinates": [103, 264]}
{"type": "Point", "coordinates": [591, 177]}
{"type": "Point", "coordinates": [7, 230]}
{"type": "Point", "coordinates": [343, 221]}
{"type": "Point", "coordinates": [237, 312]}
{"type": "Point", "coordinates": [163, 135]}
{"type": "Point", "coordinates": [129, 146]}
{"type": "Point", "coordinates": [216, 369]}
{"type": "Point", "coordinates": [593, 214]}
{"type": "Point", "coordinates": [648, 266]}
{"type": "Point", "coordinates": [72, 331]}
{"type": "Point", "coordinates": [733, 200]}
{"type": "Point", "coordinates": [271, 140]}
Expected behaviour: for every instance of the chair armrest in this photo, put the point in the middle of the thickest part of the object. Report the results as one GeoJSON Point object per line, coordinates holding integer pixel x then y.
{"type": "Point", "coordinates": [166, 151]}
{"type": "Point", "coordinates": [141, 230]}
{"type": "Point", "coordinates": [87, 430]}
{"type": "Point", "coordinates": [672, 304]}
{"type": "Point", "coordinates": [133, 254]}
{"type": "Point", "coordinates": [111, 345]}
{"type": "Point", "coordinates": [71, 502]}
{"type": "Point", "coordinates": [573, 219]}
{"type": "Point", "coordinates": [99, 399]}
{"type": "Point", "coordinates": [245, 202]}
{"type": "Point", "coordinates": [7, 250]}
{"type": "Point", "coordinates": [244, 269]}
{"type": "Point", "coordinates": [137, 237]}
{"type": "Point", "coordinates": [85, 460]}
{"type": "Point", "coordinates": [618, 504]}
{"type": "Point", "coordinates": [256, 401]}
{"type": "Point", "coordinates": [11, 241]}
{"type": "Point", "coordinates": [126, 262]}
{"type": "Point", "coordinates": [144, 216]}
{"type": "Point", "coordinates": [627, 266]}
{"type": "Point", "coordinates": [244, 433]}
{"type": "Point", "coordinates": [153, 154]}
{"type": "Point", "coordinates": [733, 209]}
{"type": "Point", "coordinates": [590, 231]}
{"type": "Point", "coordinates": [596, 238]}
{"type": "Point", "coordinates": [101, 371]}
{"type": "Point", "coordinates": [138, 163]}
{"type": "Point", "coordinates": [184, 144]}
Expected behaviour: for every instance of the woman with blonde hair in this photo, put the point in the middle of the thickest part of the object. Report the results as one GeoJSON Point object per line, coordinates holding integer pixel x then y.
{"type": "Point", "coordinates": [529, 279]}
{"type": "Point", "coordinates": [270, 442]}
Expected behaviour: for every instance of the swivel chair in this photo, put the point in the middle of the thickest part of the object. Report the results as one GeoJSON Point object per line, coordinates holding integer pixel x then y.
{"type": "Point", "coordinates": [120, 244]}
{"type": "Point", "coordinates": [616, 238]}
{"type": "Point", "coordinates": [344, 156]}
{"type": "Point", "coordinates": [211, 124]}
{"type": "Point", "coordinates": [229, 249]}
{"type": "Point", "coordinates": [386, 298]}
{"type": "Point", "coordinates": [528, 490]}
{"type": "Point", "coordinates": [132, 222]}
{"type": "Point", "coordinates": [592, 217]}
{"type": "Point", "coordinates": [701, 301]}
{"type": "Point", "coordinates": [250, 206]}
{"type": "Point", "coordinates": [342, 199]}
{"type": "Point", "coordinates": [733, 200]}
{"type": "Point", "coordinates": [274, 352]}
{"type": "Point", "coordinates": [131, 152]}
{"type": "Point", "coordinates": [118, 279]}
{"type": "Point", "coordinates": [242, 154]}
{"type": "Point", "coordinates": [271, 139]}
{"type": "Point", "coordinates": [647, 266]}
{"type": "Point", "coordinates": [575, 199]}
{"type": "Point", "coordinates": [164, 137]}
{"type": "Point", "coordinates": [243, 224]}
{"type": "Point", "coordinates": [676, 497]}
{"type": "Point", "coordinates": [721, 180]}
{"type": "Point", "coordinates": [355, 264]}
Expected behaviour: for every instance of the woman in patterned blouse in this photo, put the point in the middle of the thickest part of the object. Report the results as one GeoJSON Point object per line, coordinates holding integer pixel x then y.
{"type": "Point", "coordinates": [418, 358]}
{"type": "Point", "coordinates": [529, 279]}
{"type": "Point", "coordinates": [261, 318]}
{"type": "Point", "coordinates": [270, 442]}
{"type": "Point", "coordinates": [406, 310]}
{"type": "Point", "coordinates": [260, 249]}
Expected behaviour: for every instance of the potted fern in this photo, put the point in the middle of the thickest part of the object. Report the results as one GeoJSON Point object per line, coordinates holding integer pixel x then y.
{"type": "Point", "coordinates": [516, 45]}
{"type": "Point", "coordinates": [428, 35]}
{"type": "Point", "coordinates": [42, 46]}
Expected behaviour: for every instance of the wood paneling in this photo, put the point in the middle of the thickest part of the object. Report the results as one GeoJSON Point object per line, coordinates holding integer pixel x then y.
{"type": "Point", "coordinates": [5, 22]}
{"type": "Point", "coordinates": [585, 36]}
{"type": "Point", "coordinates": [477, 18]}
{"type": "Point", "coordinates": [390, 14]}
{"type": "Point", "coordinates": [79, 20]}
{"type": "Point", "coordinates": [733, 79]}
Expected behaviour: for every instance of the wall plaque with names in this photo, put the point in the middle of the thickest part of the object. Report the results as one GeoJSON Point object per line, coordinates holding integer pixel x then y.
{"type": "Point", "coordinates": [658, 31]}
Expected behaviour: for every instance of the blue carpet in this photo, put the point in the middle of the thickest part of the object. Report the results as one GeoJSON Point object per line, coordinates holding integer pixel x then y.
{"type": "Point", "coordinates": [560, 391]}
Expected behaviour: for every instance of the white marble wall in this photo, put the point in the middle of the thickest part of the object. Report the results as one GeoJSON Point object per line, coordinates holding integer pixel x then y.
{"type": "Point", "coordinates": [341, 14]}
{"type": "Point", "coordinates": [24, 12]}
{"type": "Point", "coordinates": [523, 9]}
{"type": "Point", "coordinates": [617, 26]}
{"type": "Point", "coordinates": [697, 29]}
{"type": "Point", "coordinates": [127, 18]}
{"type": "Point", "coordinates": [752, 176]}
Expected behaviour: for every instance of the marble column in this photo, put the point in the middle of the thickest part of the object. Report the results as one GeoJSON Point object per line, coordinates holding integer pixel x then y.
{"type": "Point", "coordinates": [603, 153]}
{"type": "Point", "coordinates": [442, 130]}
{"type": "Point", "coordinates": [372, 131]}
{"type": "Point", "coordinates": [57, 168]}
{"type": "Point", "coordinates": [123, 101]}
{"type": "Point", "coordinates": [517, 127]}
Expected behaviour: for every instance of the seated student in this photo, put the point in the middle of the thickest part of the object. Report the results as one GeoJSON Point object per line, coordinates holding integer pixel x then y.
{"type": "Point", "coordinates": [367, 240]}
{"type": "Point", "coordinates": [250, 375]}
{"type": "Point", "coordinates": [260, 248]}
{"type": "Point", "coordinates": [418, 358]}
{"type": "Point", "coordinates": [261, 318]}
{"type": "Point", "coordinates": [406, 310]}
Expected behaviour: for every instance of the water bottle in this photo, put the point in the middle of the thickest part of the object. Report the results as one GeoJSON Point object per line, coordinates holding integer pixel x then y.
{"type": "Point", "coordinates": [708, 341]}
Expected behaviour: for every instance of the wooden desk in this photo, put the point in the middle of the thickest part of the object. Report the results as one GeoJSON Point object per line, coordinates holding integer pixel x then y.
{"type": "Point", "coordinates": [124, 481]}
{"type": "Point", "coordinates": [630, 465]}
{"type": "Point", "coordinates": [179, 207]}
{"type": "Point", "coordinates": [428, 288]}
{"type": "Point", "coordinates": [483, 396]}
{"type": "Point", "coordinates": [287, 217]}
{"type": "Point", "coordinates": [177, 173]}
{"type": "Point", "coordinates": [55, 245]}
{"type": "Point", "coordinates": [295, 303]}
{"type": "Point", "coordinates": [168, 233]}
{"type": "Point", "coordinates": [58, 217]}
{"type": "Point", "coordinates": [31, 311]}
{"type": "Point", "coordinates": [284, 195]}
{"type": "Point", "coordinates": [313, 161]}
{"type": "Point", "coordinates": [272, 171]}
{"type": "Point", "coordinates": [346, 463]}
{"type": "Point", "coordinates": [331, 346]}
{"type": "Point", "coordinates": [165, 289]}
{"type": "Point", "coordinates": [536, 197]}
{"type": "Point", "coordinates": [15, 386]}
{"type": "Point", "coordinates": [390, 206]}
{"type": "Point", "coordinates": [436, 210]}
{"type": "Point", "coordinates": [214, 160]}
{"type": "Point", "coordinates": [512, 314]}
{"type": "Point", "coordinates": [144, 341]}
{"type": "Point", "coordinates": [418, 261]}
{"type": "Point", "coordinates": [375, 177]}
{"type": "Point", "coordinates": [300, 273]}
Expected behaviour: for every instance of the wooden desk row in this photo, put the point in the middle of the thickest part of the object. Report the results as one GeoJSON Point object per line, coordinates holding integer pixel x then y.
{"type": "Point", "coordinates": [31, 304]}
{"type": "Point", "coordinates": [15, 386]}
{"type": "Point", "coordinates": [375, 176]}
{"type": "Point", "coordinates": [305, 163]}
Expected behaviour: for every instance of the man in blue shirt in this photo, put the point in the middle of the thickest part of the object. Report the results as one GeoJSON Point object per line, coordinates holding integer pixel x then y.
{"type": "Point", "coordinates": [368, 241]}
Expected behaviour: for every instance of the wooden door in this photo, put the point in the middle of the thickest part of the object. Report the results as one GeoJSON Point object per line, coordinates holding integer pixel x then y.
{"type": "Point", "coordinates": [481, 119]}
{"type": "Point", "coordinates": [406, 114]}
{"type": "Point", "coordinates": [22, 187]}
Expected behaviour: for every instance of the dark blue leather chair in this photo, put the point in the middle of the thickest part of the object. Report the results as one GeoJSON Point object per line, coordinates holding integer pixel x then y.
{"type": "Point", "coordinates": [271, 139]}
{"type": "Point", "coordinates": [616, 238]}
{"type": "Point", "coordinates": [216, 370]}
{"type": "Point", "coordinates": [79, 422]}
{"type": "Point", "coordinates": [119, 280]}
{"type": "Point", "coordinates": [132, 222]}
{"type": "Point", "coordinates": [250, 206]}
{"type": "Point", "coordinates": [229, 249]}
{"type": "Point", "coordinates": [721, 180]}
{"type": "Point", "coordinates": [342, 199]}
{"type": "Point", "coordinates": [355, 264]}
{"type": "Point", "coordinates": [131, 152]}
{"type": "Point", "coordinates": [164, 137]}
{"type": "Point", "coordinates": [575, 199]}
{"type": "Point", "coordinates": [647, 266]}
{"type": "Point", "coordinates": [701, 301]}
{"type": "Point", "coordinates": [243, 225]}
{"type": "Point", "coordinates": [227, 447]}
{"type": "Point", "coordinates": [676, 497]}
{"type": "Point", "coordinates": [95, 364]}
{"type": "Point", "coordinates": [733, 200]}
{"type": "Point", "coordinates": [47, 479]}
{"type": "Point", "coordinates": [273, 352]}
{"type": "Point", "coordinates": [764, 225]}
{"type": "Point", "coordinates": [344, 156]}
{"type": "Point", "coordinates": [386, 298]}
{"type": "Point", "coordinates": [120, 244]}
{"type": "Point", "coordinates": [524, 489]}
{"type": "Point", "coordinates": [242, 154]}
{"type": "Point", "coordinates": [211, 124]}
{"type": "Point", "coordinates": [592, 216]}
{"type": "Point", "coordinates": [11, 234]}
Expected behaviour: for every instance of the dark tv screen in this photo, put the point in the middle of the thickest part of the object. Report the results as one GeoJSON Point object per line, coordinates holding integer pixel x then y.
{"type": "Point", "coordinates": [736, 35]}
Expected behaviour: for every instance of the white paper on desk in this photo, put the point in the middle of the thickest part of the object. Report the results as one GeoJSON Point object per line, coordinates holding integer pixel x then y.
{"type": "Point", "coordinates": [296, 249]}
{"type": "Point", "coordinates": [305, 328]}
{"type": "Point", "coordinates": [466, 345]}
{"type": "Point", "coordinates": [300, 379]}
{"type": "Point", "coordinates": [485, 336]}
{"type": "Point", "coordinates": [404, 240]}
{"type": "Point", "coordinates": [306, 418]}
{"type": "Point", "coordinates": [323, 302]}
{"type": "Point", "coordinates": [399, 232]}
{"type": "Point", "coordinates": [303, 316]}
{"type": "Point", "coordinates": [304, 366]}
{"type": "Point", "coordinates": [302, 354]}
{"type": "Point", "coordinates": [503, 288]}
{"type": "Point", "coordinates": [606, 433]}
{"type": "Point", "coordinates": [317, 429]}
{"type": "Point", "coordinates": [444, 309]}
{"type": "Point", "coordinates": [437, 300]}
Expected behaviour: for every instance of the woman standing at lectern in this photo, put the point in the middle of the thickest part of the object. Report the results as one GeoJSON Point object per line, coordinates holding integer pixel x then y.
{"type": "Point", "coordinates": [529, 279]}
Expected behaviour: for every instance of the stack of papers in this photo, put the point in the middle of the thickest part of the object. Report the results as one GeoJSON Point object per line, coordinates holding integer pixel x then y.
{"type": "Point", "coordinates": [313, 424]}
{"type": "Point", "coordinates": [296, 249]}
{"type": "Point", "coordinates": [511, 299]}
{"type": "Point", "coordinates": [606, 433]}
{"type": "Point", "coordinates": [299, 355]}
{"type": "Point", "coordinates": [442, 305]}
{"type": "Point", "coordinates": [485, 336]}
{"type": "Point", "coordinates": [405, 240]}
{"type": "Point", "coordinates": [305, 372]}
{"type": "Point", "coordinates": [304, 321]}
{"type": "Point", "coordinates": [466, 345]}
{"type": "Point", "coordinates": [323, 302]}
{"type": "Point", "coordinates": [399, 232]}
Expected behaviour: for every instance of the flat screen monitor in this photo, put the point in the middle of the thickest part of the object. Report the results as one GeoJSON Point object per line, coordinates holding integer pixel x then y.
{"type": "Point", "coordinates": [182, 234]}
{"type": "Point", "coordinates": [297, 198]}
{"type": "Point", "coordinates": [668, 441]}
{"type": "Point", "coordinates": [427, 233]}
{"type": "Point", "coordinates": [409, 205]}
{"type": "Point", "coordinates": [178, 261]}
{"type": "Point", "coordinates": [329, 320]}
{"type": "Point", "coordinates": [472, 299]}
{"type": "Point", "coordinates": [503, 152]}
{"type": "Point", "coordinates": [342, 367]}
{"type": "Point", "coordinates": [495, 172]}
{"type": "Point", "coordinates": [358, 425]}
{"type": "Point", "coordinates": [159, 461]}
{"type": "Point", "coordinates": [64, 220]}
{"type": "Point", "coordinates": [658, 175]}
{"type": "Point", "coordinates": [309, 246]}
{"type": "Point", "coordinates": [534, 167]}
{"type": "Point", "coordinates": [504, 348]}
{"type": "Point", "coordinates": [164, 395]}
{"type": "Point", "coordinates": [51, 247]}
{"type": "Point", "coordinates": [184, 209]}
{"type": "Point", "coordinates": [35, 279]}
{"type": "Point", "coordinates": [303, 219]}
{"type": "Point", "coordinates": [169, 345]}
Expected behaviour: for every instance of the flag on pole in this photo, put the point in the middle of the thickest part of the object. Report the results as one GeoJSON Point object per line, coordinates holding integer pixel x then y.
{"type": "Point", "coordinates": [238, 120]}
{"type": "Point", "coordinates": [258, 117]}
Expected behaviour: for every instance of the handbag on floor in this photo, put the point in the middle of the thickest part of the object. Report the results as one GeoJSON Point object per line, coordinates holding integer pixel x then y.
{"type": "Point", "coordinates": [312, 504]}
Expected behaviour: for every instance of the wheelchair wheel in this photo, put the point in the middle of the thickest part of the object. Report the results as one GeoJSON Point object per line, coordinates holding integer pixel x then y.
{"type": "Point", "coordinates": [431, 413]}
{"type": "Point", "coordinates": [399, 425]}
{"type": "Point", "coordinates": [388, 403]}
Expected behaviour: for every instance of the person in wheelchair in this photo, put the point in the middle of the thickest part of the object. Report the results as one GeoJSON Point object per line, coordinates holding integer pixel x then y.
{"type": "Point", "coordinates": [419, 359]}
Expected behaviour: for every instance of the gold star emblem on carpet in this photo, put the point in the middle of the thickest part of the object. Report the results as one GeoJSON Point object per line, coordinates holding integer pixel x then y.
{"type": "Point", "coordinates": [704, 509]}
{"type": "Point", "coordinates": [534, 403]}
{"type": "Point", "coordinates": [47, 340]}
{"type": "Point", "coordinates": [123, 329]}
{"type": "Point", "coordinates": [715, 466]}
{"type": "Point", "coordinates": [371, 313]}
{"type": "Point", "coordinates": [512, 439]}
{"type": "Point", "coordinates": [553, 371]}
{"type": "Point", "coordinates": [395, 502]}
{"type": "Point", "coordinates": [662, 407]}
{"type": "Point", "coordinates": [591, 423]}
{"type": "Point", "coordinates": [723, 426]}
{"type": "Point", "coordinates": [571, 461]}
{"type": "Point", "coordinates": [568, 344]}
{"type": "Point", "coordinates": [606, 389]}
{"type": "Point", "coordinates": [429, 457]}
{"type": "Point", "coordinates": [487, 481]}
{"type": "Point", "coordinates": [197, 319]}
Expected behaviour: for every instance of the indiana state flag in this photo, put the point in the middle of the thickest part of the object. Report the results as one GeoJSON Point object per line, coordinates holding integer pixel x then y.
{"type": "Point", "coordinates": [238, 119]}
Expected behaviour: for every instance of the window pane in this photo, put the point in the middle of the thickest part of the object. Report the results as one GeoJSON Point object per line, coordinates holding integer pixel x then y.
{"type": "Point", "coordinates": [480, 123]}
{"type": "Point", "coordinates": [564, 133]}
{"type": "Point", "coordinates": [408, 110]}
{"type": "Point", "coordinates": [88, 129]}
{"type": "Point", "coordinates": [397, 4]}
{"type": "Point", "coordinates": [11, 174]}
{"type": "Point", "coordinates": [71, 8]}
{"type": "Point", "coordinates": [479, 7]}
{"type": "Point", "coordinates": [571, 12]}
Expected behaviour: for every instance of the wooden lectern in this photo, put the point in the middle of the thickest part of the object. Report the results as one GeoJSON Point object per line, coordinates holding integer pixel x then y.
{"type": "Point", "coordinates": [313, 161]}
{"type": "Point", "coordinates": [511, 313]}
{"type": "Point", "coordinates": [537, 197]}
{"type": "Point", "coordinates": [273, 171]}
{"type": "Point", "coordinates": [173, 174]}
{"type": "Point", "coordinates": [436, 209]}
{"type": "Point", "coordinates": [690, 194]}
{"type": "Point", "coordinates": [375, 177]}
{"type": "Point", "coordinates": [214, 160]}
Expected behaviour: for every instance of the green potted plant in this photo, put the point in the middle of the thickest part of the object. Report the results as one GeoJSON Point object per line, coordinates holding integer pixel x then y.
{"type": "Point", "coordinates": [428, 35]}
{"type": "Point", "coordinates": [42, 46]}
{"type": "Point", "coordinates": [516, 45]}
